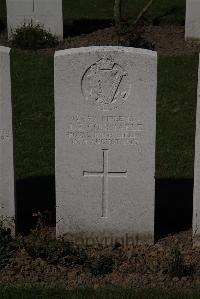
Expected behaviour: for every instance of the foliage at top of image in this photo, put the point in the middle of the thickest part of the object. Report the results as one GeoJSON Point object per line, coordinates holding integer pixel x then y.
{"type": "Point", "coordinates": [31, 36]}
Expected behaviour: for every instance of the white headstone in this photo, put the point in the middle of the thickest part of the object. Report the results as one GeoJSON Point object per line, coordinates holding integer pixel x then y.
{"type": "Point", "coordinates": [45, 12]}
{"type": "Point", "coordinates": [7, 203]}
{"type": "Point", "coordinates": [196, 199]}
{"type": "Point", "coordinates": [192, 22]}
{"type": "Point", "coordinates": [105, 117]}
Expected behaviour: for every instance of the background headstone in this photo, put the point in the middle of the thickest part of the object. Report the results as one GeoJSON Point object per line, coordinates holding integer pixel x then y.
{"type": "Point", "coordinates": [196, 201]}
{"type": "Point", "coordinates": [45, 12]}
{"type": "Point", "coordinates": [192, 22]}
{"type": "Point", "coordinates": [105, 116]}
{"type": "Point", "coordinates": [7, 203]}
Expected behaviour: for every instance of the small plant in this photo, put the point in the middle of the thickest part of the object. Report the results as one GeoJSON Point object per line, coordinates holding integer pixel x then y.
{"type": "Point", "coordinates": [102, 265]}
{"type": "Point", "coordinates": [33, 37]}
{"type": "Point", "coordinates": [176, 264]}
{"type": "Point", "coordinates": [136, 40]}
{"type": "Point", "coordinates": [7, 244]}
{"type": "Point", "coordinates": [41, 244]}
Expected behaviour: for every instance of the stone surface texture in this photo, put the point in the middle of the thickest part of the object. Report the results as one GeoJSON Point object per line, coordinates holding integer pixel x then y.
{"type": "Point", "coordinates": [105, 119]}
{"type": "Point", "coordinates": [45, 12]}
{"type": "Point", "coordinates": [7, 202]}
{"type": "Point", "coordinates": [192, 21]}
{"type": "Point", "coordinates": [196, 197]}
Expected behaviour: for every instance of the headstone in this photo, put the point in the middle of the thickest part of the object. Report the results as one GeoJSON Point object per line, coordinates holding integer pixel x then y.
{"type": "Point", "coordinates": [105, 118]}
{"type": "Point", "coordinates": [45, 12]}
{"type": "Point", "coordinates": [196, 199]}
{"type": "Point", "coordinates": [7, 203]}
{"type": "Point", "coordinates": [192, 26]}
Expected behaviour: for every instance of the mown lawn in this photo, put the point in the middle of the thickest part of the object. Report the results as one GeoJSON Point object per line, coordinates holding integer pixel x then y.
{"type": "Point", "coordinates": [176, 114]}
{"type": "Point", "coordinates": [172, 11]}
{"type": "Point", "coordinates": [11, 293]}
{"type": "Point", "coordinates": [33, 99]}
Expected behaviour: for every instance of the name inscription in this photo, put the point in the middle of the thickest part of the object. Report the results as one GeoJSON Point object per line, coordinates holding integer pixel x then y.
{"type": "Point", "coordinates": [4, 135]}
{"type": "Point", "coordinates": [104, 130]}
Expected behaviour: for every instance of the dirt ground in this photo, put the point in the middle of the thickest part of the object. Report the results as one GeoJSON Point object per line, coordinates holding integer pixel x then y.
{"type": "Point", "coordinates": [166, 39]}
{"type": "Point", "coordinates": [170, 40]}
{"type": "Point", "coordinates": [137, 267]}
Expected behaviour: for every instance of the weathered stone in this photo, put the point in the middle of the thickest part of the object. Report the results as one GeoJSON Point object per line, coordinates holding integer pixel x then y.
{"type": "Point", "coordinates": [192, 22]}
{"type": "Point", "coordinates": [45, 12]}
{"type": "Point", "coordinates": [196, 199]}
{"type": "Point", "coordinates": [105, 115]}
{"type": "Point", "coordinates": [7, 203]}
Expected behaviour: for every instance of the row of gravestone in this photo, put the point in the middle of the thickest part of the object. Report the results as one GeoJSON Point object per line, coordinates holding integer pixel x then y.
{"type": "Point", "coordinates": [105, 122]}
{"type": "Point", "coordinates": [49, 13]}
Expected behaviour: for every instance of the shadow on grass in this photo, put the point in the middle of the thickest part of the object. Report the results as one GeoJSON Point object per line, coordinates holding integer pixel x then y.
{"type": "Point", "coordinates": [2, 26]}
{"type": "Point", "coordinates": [36, 194]}
{"type": "Point", "coordinates": [84, 26]}
{"type": "Point", "coordinates": [173, 204]}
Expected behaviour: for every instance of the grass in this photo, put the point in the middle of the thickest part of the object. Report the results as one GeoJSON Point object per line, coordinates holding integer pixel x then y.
{"type": "Point", "coordinates": [3, 11]}
{"type": "Point", "coordinates": [167, 11]}
{"type": "Point", "coordinates": [13, 293]}
{"type": "Point", "coordinates": [32, 79]}
{"type": "Point", "coordinates": [176, 113]}
{"type": "Point", "coordinates": [103, 9]}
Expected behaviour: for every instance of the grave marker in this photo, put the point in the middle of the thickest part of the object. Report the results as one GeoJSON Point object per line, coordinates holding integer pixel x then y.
{"type": "Point", "coordinates": [7, 203]}
{"type": "Point", "coordinates": [105, 116]}
{"type": "Point", "coordinates": [45, 12]}
{"type": "Point", "coordinates": [192, 22]}
{"type": "Point", "coordinates": [196, 199]}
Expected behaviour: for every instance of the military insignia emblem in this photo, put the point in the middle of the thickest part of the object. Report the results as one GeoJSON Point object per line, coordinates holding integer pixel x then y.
{"type": "Point", "coordinates": [106, 84]}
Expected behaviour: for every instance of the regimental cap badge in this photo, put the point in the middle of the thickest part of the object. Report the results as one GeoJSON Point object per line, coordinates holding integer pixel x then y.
{"type": "Point", "coordinates": [106, 63]}
{"type": "Point", "coordinates": [106, 84]}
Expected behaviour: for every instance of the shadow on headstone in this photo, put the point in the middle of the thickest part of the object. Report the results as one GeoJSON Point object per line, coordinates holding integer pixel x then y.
{"type": "Point", "coordinates": [33, 195]}
{"type": "Point", "coordinates": [173, 206]}
{"type": "Point", "coordinates": [74, 28]}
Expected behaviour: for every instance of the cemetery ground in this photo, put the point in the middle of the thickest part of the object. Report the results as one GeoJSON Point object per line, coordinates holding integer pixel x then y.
{"type": "Point", "coordinates": [93, 294]}
{"type": "Point", "coordinates": [82, 294]}
{"type": "Point", "coordinates": [36, 259]}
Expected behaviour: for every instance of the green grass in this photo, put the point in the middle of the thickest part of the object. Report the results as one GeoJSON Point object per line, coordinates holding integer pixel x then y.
{"type": "Point", "coordinates": [32, 79]}
{"type": "Point", "coordinates": [3, 11]}
{"type": "Point", "coordinates": [176, 113]}
{"type": "Point", "coordinates": [168, 10]}
{"type": "Point", "coordinates": [99, 9]}
{"type": "Point", "coordinates": [12, 293]}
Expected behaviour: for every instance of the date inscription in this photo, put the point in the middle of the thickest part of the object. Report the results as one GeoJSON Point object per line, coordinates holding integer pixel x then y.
{"type": "Point", "coordinates": [104, 130]}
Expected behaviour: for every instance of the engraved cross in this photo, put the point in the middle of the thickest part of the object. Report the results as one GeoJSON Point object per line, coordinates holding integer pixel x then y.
{"type": "Point", "coordinates": [34, 7]}
{"type": "Point", "coordinates": [105, 175]}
